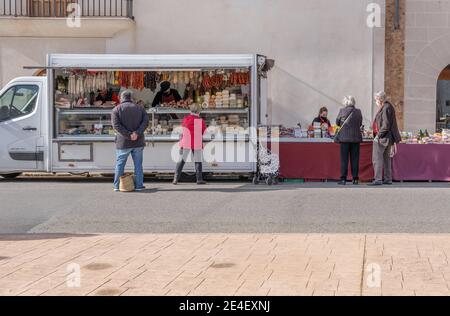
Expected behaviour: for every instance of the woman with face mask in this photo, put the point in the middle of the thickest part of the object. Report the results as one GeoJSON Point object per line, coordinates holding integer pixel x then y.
{"type": "Point", "coordinates": [322, 119]}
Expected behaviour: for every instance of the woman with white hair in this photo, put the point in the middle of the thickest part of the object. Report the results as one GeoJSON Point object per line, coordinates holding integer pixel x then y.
{"type": "Point", "coordinates": [387, 135]}
{"type": "Point", "coordinates": [349, 136]}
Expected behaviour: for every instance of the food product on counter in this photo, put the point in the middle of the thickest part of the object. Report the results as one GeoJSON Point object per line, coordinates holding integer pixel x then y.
{"type": "Point", "coordinates": [132, 79]}
{"type": "Point", "coordinates": [233, 119]}
{"type": "Point", "coordinates": [62, 84]}
{"type": "Point", "coordinates": [226, 98]}
{"type": "Point", "coordinates": [111, 78]}
{"type": "Point", "coordinates": [95, 82]}
{"type": "Point", "coordinates": [151, 80]}
{"type": "Point", "coordinates": [423, 137]}
{"type": "Point", "coordinates": [206, 82]}
{"type": "Point", "coordinates": [189, 92]}
{"type": "Point", "coordinates": [239, 78]}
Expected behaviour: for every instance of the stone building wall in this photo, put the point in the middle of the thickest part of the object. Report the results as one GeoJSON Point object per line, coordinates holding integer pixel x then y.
{"type": "Point", "coordinates": [395, 57]}
{"type": "Point", "coordinates": [427, 53]}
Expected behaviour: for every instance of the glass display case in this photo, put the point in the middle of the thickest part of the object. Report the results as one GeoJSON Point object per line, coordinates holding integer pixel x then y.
{"type": "Point", "coordinates": [84, 100]}
{"type": "Point", "coordinates": [164, 124]}
{"type": "Point", "coordinates": [86, 123]}
{"type": "Point", "coordinates": [221, 123]}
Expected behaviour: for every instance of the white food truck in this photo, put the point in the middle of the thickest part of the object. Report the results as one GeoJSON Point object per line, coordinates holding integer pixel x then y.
{"type": "Point", "coordinates": [62, 122]}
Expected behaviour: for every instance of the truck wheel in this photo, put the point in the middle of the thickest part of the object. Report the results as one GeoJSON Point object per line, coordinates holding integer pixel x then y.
{"type": "Point", "coordinates": [269, 181]}
{"type": "Point", "coordinates": [11, 175]}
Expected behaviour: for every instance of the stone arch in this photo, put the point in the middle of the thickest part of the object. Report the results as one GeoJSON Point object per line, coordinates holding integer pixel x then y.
{"type": "Point", "coordinates": [421, 83]}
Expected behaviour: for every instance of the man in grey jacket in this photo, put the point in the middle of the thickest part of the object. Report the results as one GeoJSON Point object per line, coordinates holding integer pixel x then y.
{"type": "Point", "coordinates": [130, 122]}
{"type": "Point", "coordinates": [386, 135]}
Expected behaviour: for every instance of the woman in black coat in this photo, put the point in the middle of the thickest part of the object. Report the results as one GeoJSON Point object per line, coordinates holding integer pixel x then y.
{"type": "Point", "coordinates": [350, 137]}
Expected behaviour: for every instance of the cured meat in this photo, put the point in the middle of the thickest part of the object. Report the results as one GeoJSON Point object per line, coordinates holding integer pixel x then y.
{"type": "Point", "coordinates": [206, 82]}
{"type": "Point", "coordinates": [132, 79]}
{"type": "Point", "coordinates": [150, 81]}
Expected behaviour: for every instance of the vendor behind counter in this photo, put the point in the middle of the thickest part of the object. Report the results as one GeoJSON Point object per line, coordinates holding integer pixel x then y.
{"type": "Point", "coordinates": [166, 95]}
{"type": "Point", "coordinates": [322, 118]}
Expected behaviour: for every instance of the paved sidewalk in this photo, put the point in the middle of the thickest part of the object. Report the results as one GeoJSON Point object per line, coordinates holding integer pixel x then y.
{"type": "Point", "coordinates": [225, 264]}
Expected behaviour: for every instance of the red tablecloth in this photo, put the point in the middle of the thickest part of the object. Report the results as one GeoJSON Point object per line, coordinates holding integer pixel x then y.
{"type": "Point", "coordinates": [415, 162]}
{"type": "Point", "coordinates": [319, 161]}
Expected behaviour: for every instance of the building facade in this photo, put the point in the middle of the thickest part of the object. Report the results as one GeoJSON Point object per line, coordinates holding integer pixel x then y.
{"type": "Point", "coordinates": [324, 49]}
{"type": "Point", "coordinates": [427, 57]}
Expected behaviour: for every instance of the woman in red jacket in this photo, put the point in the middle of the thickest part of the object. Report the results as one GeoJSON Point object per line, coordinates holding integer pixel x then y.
{"type": "Point", "coordinates": [192, 142]}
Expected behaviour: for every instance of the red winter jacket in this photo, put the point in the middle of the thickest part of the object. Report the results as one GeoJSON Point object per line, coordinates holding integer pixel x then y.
{"type": "Point", "coordinates": [193, 129]}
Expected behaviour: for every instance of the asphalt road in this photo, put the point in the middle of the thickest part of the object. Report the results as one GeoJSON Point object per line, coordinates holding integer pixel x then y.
{"type": "Point", "coordinates": [90, 206]}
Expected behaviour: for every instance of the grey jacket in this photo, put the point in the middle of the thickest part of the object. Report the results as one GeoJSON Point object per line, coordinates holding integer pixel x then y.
{"type": "Point", "coordinates": [386, 120]}
{"type": "Point", "coordinates": [127, 118]}
{"type": "Point", "coordinates": [351, 131]}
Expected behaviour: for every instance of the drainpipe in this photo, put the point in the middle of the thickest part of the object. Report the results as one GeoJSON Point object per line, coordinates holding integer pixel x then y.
{"type": "Point", "coordinates": [372, 88]}
{"type": "Point", "coordinates": [397, 15]}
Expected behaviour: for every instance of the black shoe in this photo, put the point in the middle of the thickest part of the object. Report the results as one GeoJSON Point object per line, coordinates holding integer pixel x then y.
{"type": "Point", "coordinates": [375, 184]}
{"type": "Point", "coordinates": [342, 182]}
{"type": "Point", "coordinates": [387, 183]}
{"type": "Point", "coordinates": [201, 182]}
{"type": "Point", "coordinates": [355, 182]}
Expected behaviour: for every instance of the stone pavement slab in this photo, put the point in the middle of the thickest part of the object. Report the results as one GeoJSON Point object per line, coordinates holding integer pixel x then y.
{"type": "Point", "coordinates": [225, 264]}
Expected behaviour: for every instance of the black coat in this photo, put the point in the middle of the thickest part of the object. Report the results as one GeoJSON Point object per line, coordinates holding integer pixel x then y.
{"type": "Point", "coordinates": [158, 100]}
{"type": "Point", "coordinates": [126, 119]}
{"type": "Point", "coordinates": [386, 120]}
{"type": "Point", "coordinates": [351, 131]}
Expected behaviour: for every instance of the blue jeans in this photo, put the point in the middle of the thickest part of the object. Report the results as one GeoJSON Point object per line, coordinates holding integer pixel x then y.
{"type": "Point", "coordinates": [121, 160]}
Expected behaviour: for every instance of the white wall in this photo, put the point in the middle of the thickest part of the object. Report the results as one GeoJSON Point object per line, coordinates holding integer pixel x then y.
{"type": "Point", "coordinates": [18, 52]}
{"type": "Point", "coordinates": [322, 48]}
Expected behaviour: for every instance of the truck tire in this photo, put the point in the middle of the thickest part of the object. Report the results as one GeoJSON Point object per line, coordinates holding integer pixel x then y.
{"type": "Point", "coordinates": [11, 175]}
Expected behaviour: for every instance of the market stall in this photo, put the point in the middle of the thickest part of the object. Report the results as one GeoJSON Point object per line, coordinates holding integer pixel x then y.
{"type": "Point", "coordinates": [87, 87]}
{"type": "Point", "coordinates": [420, 157]}
{"type": "Point", "coordinates": [318, 159]}
{"type": "Point", "coordinates": [415, 162]}
{"type": "Point", "coordinates": [423, 157]}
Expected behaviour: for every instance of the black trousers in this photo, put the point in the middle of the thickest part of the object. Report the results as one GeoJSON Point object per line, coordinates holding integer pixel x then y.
{"type": "Point", "coordinates": [350, 150]}
{"type": "Point", "coordinates": [184, 154]}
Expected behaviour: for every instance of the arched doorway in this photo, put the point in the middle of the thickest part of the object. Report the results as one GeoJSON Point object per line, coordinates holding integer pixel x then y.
{"type": "Point", "coordinates": [443, 100]}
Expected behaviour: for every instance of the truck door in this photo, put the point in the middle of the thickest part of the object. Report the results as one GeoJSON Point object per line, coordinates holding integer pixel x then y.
{"type": "Point", "coordinates": [20, 126]}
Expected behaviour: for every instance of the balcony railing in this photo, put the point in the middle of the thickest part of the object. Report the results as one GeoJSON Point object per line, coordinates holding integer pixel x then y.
{"type": "Point", "coordinates": [62, 8]}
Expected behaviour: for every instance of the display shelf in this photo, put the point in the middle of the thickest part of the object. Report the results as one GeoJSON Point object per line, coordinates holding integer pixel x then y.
{"type": "Point", "coordinates": [85, 138]}
{"type": "Point", "coordinates": [303, 140]}
{"type": "Point", "coordinates": [81, 111]}
{"type": "Point", "coordinates": [206, 138]}
{"type": "Point", "coordinates": [84, 111]}
{"type": "Point", "coordinates": [160, 110]}
{"type": "Point", "coordinates": [159, 138]}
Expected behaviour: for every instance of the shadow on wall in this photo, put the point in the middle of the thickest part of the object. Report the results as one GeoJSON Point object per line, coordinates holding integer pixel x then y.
{"type": "Point", "coordinates": [16, 53]}
{"type": "Point", "coordinates": [293, 100]}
